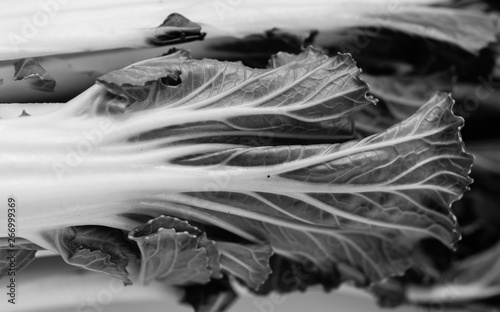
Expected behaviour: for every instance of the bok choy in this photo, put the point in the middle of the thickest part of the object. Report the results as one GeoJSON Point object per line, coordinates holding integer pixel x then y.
{"type": "Point", "coordinates": [197, 172]}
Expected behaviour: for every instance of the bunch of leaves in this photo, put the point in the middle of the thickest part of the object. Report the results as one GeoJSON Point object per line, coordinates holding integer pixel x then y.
{"type": "Point", "coordinates": [404, 81]}
{"type": "Point", "coordinates": [309, 182]}
{"type": "Point", "coordinates": [203, 185]}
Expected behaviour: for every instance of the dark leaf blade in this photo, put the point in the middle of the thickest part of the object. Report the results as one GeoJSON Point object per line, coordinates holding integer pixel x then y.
{"type": "Point", "coordinates": [289, 276]}
{"type": "Point", "coordinates": [175, 29]}
{"type": "Point", "coordinates": [363, 204]}
{"type": "Point", "coordinates": [171, 252]}
{"type": "Point", "coordinates": [21, 243]}
{"type": "Point", "coordinates": [100, 262]}
{"type": "Point", "coordinates": [301, 97]}
{"type": "Point", "coordinates": [129, 81]}
{"type": "Point", "coordinates": [165, 222]}
{"type": "Point", "coordinates": [401, 97]}
{"type": "Point", "coordinates": [470, 30]}
{"type": "Point", "coordinates": [404, 95]}
{"type": "Point", "coordinates": [249, 263]}
{"type": "Point", "coordinates": [255, 50]}
{"type": "Point", "coordinates": [389, 294]}
{"type": "Point", "coordinates": [96, 249]}
{"type": "Point", "coordinates": [30, 69]}
{"type": "Point", "coordinates": [20, 257]}
{"type": "Point", "coordinates": [472, 281]}
{"type": "Point", "coordinates": [373, 119]}
{"type": "Point", "coordinates": [215, 296]}
{"type": "Point", "coordinates": [173, 257]}
{"type": "Point", "coordinates": [213, 255]}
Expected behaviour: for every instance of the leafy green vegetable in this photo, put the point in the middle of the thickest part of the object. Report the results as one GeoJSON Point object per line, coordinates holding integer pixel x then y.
{"type": "Point", "coordinates": [187, 165]}
{"type": "Point", "coordinates": [280, 176]}
{"type": "Point", "coordinates": [360, 194]}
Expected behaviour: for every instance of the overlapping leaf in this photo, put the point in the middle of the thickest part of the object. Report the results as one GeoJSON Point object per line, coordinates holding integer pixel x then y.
{"type": "Point", "coordinates": [215, 296]}
{"type": "Point", "coordinates": [401, 97]}
{"type": "Point", "coordinates": [363, 203]}
{"type": "Point", "coordinates": [308, 96]}
{"type": "Point", "coordinates": [249, 263]}
{"type": "Point", "coordinates": [96, 249]}
{"type": "Point", "coordinates": [19, 258]}
{"type": "Point", "coordinates": [470, 30]}
{"type": "Point", "coordinates": [174, 251]}
{"type": "Point", "coordinates": [353, 210]}
{"type": "Point", "coordinates": [30, 69]}
{"type": "Point", "coordinates": [404, 95]}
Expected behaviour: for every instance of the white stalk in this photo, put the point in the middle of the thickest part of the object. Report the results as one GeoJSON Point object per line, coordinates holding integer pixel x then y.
{"type": "Point", "coordinates": [36, 28]}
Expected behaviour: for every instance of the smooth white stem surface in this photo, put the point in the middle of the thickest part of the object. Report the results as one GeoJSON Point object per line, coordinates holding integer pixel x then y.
{"type": "Point", "coordinates": [36, 28]}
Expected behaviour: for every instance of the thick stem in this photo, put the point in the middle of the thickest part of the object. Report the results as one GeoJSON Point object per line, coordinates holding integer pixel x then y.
{"type": "Point", "coordinates": [72, 27]}
{"type": "Point", "coordinates": [449, 293]}
{"type": "Point", "coordinates": [63, 174]}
